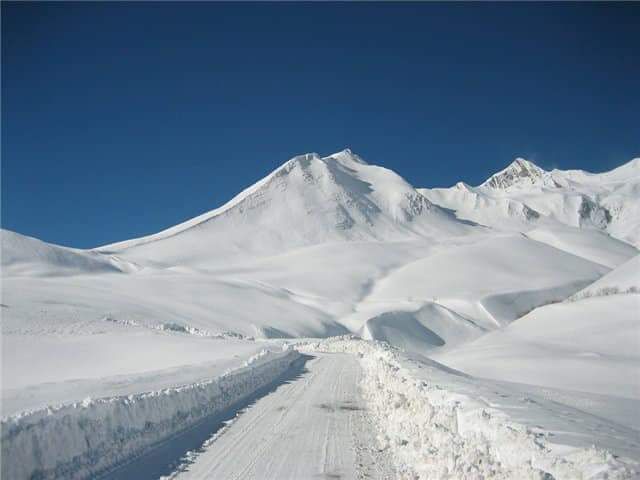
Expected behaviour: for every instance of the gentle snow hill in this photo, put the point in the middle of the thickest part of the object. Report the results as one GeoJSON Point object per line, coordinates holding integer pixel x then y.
{"type": "Point", "coordinates": [624, 279]}
{"type": "Point", "coordinates": [588, 343]}
{"type": "Point", "coordinates": [309, 200]}
{"type": "Point", "coordinates": [22, 255]}
{"type": "Point", "coordinates": [525, 196]}
{"type": "Point", "coordinates": [493, 281]}
{"type": "Point", "coordinates": [593, 245]}
{"type": "Point", "coordinates": [591, 345]}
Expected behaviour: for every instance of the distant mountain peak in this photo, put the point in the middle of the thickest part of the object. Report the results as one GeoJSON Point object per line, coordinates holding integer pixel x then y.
{"type": "Point", "coordinates": [462, 186]}
{"type": "Point", "coordinates": [347, 155]}
{"type": "Point", "coordinates": [520, 171]}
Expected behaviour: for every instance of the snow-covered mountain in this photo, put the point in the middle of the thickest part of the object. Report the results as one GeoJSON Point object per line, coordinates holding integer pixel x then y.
{"type": "Point", "coordinates": [524, 196]}
{"type": "Point", "coordinates": [531, 277]}
{"type": "Point", "coordinates": [308, 200]}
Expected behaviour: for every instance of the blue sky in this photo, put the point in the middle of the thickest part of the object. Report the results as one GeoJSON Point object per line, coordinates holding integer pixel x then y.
{"type": "Point", "coordinates": [120, 119]}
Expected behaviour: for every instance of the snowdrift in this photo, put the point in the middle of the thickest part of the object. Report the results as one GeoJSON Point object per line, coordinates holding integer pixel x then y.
{"type": "Point", "coordinates": [429, 327]}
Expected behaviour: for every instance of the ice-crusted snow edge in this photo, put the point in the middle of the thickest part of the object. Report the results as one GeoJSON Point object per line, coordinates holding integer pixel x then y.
{"type": "Point", "coordinates": [434, 432]}
{"type": "Point", "coordinates": [83, 439]}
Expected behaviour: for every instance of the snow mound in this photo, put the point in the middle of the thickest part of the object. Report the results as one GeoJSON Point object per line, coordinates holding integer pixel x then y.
{"type": "Point", "coordinates": [22, 255]}
{"type": "Point", "coordinates": [431, 326]}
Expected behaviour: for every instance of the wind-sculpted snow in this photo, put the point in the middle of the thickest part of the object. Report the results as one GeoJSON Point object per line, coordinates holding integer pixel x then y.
{"type": "Point", "coordinates": [83, 439]}
{"type": "Point", "coordinates": [431, 326]}
{"type": "Point", "coordinates": [441, 424]}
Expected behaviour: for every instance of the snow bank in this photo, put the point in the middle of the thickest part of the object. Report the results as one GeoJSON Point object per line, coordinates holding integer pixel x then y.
{"type": "Point", "coordinates": [435, 430]}
{"type": "Point", "coordinates": [83, 439]}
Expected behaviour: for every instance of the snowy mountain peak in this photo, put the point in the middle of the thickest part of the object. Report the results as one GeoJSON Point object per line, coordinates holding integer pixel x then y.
{"type": "Point", "coordinates": [519, 172]}
{"type": "Point", "coordinates": [347, 156]}
{"type": "Point", "coordinates": [306, 201]}
{"type": "Point", "coordinates": [462, 186]}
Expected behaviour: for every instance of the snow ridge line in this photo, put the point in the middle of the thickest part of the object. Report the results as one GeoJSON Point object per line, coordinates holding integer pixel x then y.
{"type": "Point", "coordinates": [434, 432]}
{"type": "Point", "coordinates": [101, 433]}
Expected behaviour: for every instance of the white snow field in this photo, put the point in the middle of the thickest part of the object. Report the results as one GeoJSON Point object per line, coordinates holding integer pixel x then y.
{"type": "Point", "coordinates": [470, 332]}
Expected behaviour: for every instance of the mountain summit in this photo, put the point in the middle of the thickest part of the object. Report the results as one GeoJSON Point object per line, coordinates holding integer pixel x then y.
{"type": "Point", "coordinates": [520, 172]}
{"type": "Point", "coordinates": [308, 200]}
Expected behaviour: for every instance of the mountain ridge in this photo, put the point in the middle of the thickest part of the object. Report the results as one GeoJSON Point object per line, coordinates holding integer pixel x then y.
{"type": "Point", "coordinates": [308, 200]}
{"type": "Point", "coordinates": [524, 196]}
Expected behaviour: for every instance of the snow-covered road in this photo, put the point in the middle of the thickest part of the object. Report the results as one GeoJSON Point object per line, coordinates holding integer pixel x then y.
{"type": "Point", "coordinates": [314, 427]}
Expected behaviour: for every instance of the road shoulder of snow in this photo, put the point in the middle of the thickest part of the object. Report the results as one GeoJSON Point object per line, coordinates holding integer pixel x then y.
{"type": "Point", "coordinates": [440, 423]}
{"type": "Point", "coordinates": [101, 433]}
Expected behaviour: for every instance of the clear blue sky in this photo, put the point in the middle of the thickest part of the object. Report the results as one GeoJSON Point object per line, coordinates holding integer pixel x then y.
{"type": "Point", "coordinates": [120, 119]}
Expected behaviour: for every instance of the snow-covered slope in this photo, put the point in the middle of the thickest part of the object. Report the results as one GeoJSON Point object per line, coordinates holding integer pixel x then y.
{"type": "Point", "coordinates": [591, 345]}
{"type": "Point", "coordinates": [493, 281]}
{"type": "Point", "coordinates": [308, 200]}
{"type": "Point", "coordinates": [623, 279]}
{"type": "Point", "coordinates": [593, 245]}
{"type": "Point", "coordinates": [22, 255]}
{"type": "Point", "coordinates": [322, 246]}
{"type": "Point", "coordinates": [525, 196]}
{"type": "Point", "coordinates": [590, 342]}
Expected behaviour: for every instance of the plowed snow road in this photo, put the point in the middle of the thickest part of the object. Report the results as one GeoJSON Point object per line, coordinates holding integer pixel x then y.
{"type": "Point", "coordinates": [314, 427]}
